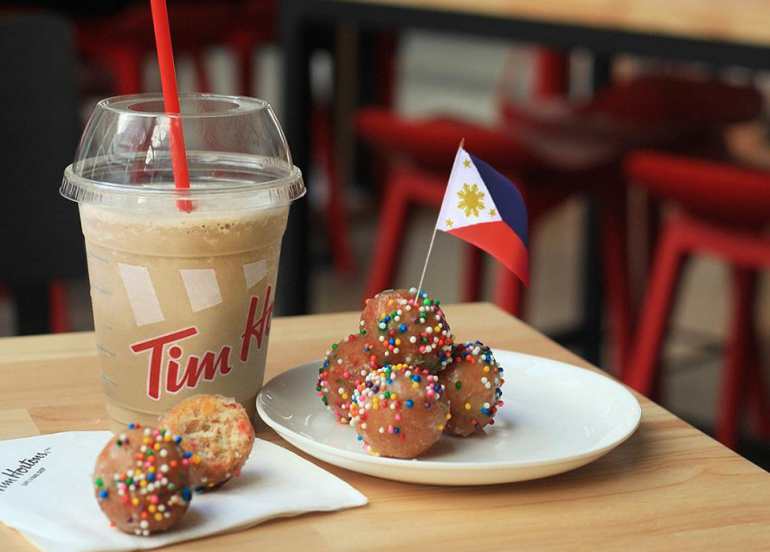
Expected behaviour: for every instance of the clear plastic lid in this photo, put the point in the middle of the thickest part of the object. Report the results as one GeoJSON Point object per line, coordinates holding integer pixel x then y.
{"type": "Point", "coordinates": [237, 155]}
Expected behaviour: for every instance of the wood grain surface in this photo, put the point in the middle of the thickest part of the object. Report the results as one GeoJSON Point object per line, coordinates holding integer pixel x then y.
{"type": "Point", "coordinates": [669, 487]}
{"type": "Point", "coordinates": [743, 22]}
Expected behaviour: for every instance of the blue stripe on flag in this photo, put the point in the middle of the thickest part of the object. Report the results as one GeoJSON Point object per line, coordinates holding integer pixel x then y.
{"type": "Point", "coordinates": [507, 198]}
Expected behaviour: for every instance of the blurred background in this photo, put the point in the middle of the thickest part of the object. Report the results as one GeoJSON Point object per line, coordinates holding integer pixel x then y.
{"type": "Point", "coordinates": [644, 160]}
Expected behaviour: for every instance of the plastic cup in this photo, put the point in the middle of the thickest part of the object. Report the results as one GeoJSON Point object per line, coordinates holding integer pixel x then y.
{"type": "Point", "coordinates": [182, 301]}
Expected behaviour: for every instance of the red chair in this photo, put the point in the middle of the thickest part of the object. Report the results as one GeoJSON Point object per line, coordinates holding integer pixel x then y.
{"type": "Point", "coordinates": [680, 113]}
{"type": "Point", "coordinates": [122, 43]}
{"type": "Point", "coordinates": [434, 143]}
{"type": "Point", "coordinates": [723, 211]}
{"type": "Point", "coordinates": [539, 155]}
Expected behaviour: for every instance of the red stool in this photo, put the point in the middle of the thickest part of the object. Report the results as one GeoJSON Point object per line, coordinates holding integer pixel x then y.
{"type": "Point", "coordinates": [675, 114]}
{"type": "Point", "coordinates": [434, 143]}
{"type": "Point", "coordinates": [121, 44]}
{"type": "Point", "coordinates": [682, 114]}
{"type": "Point", "coordinates": [672, 113]}
{"type": "Point", "coordinates": [725, 209]}
{"type": "Point", "coordinates": [406, 185]}
{"type": "Point", "coordinates": [539, 158]}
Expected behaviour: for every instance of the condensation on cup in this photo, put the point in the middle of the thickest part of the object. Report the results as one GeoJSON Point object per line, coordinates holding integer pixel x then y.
{"type": "Point", "coordinates": [182, 300]}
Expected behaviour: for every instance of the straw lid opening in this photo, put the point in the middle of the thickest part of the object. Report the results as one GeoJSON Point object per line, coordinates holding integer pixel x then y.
{"type": "Point", "coordinates": [235, 149]}
{"type": "Point", "coordinates": [192, 105]}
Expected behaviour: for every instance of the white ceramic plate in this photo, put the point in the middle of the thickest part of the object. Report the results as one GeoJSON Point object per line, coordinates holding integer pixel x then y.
{"type": "Point", "coordinates": [556, 417]}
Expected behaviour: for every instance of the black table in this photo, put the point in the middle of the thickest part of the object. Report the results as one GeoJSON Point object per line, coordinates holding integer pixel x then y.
{"type": "Point", "coordinates": [298, 17]}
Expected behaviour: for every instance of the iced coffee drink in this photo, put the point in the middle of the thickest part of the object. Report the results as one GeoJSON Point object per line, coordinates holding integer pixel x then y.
{"type": "Point", "coordinates": [182, 298]}
{"type": "Point", "coordinates": [182, 305]}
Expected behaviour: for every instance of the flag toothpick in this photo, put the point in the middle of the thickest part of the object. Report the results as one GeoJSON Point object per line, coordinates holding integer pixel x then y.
{"type": "Point", "coordinates": [425, 266]}
{"type": "Point", "coordinates": [435, 227]}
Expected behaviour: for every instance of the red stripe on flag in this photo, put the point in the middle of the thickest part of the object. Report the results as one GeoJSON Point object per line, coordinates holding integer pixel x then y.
{"type": "Point", "coordinates": [500, 241]}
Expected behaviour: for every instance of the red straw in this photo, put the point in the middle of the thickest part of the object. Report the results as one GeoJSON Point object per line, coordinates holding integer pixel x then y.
{"type": "Point", "coordinates": [171, 98]}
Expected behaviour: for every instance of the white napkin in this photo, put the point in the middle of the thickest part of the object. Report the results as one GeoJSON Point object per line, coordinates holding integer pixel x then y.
{"type": "Point", "coordinates": [46, 492]}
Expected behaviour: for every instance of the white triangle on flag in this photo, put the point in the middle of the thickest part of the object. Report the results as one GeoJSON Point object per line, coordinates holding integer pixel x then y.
{"type": "Point", "coordinates": [467, 200]}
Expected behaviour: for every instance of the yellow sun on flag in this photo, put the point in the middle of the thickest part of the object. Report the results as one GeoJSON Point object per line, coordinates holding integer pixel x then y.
{"type": "Point", "coordinates": [471, 200]}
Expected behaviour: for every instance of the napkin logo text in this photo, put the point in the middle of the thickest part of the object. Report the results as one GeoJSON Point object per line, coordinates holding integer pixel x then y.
{"type": "Point", "coordinates": [167, 351]}
{"type": "Point", "coordinates": [9, 476]}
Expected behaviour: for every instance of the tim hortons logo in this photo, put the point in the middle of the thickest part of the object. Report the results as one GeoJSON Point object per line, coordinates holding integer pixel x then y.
{"type": "Point", "coordinates": [166, 353]}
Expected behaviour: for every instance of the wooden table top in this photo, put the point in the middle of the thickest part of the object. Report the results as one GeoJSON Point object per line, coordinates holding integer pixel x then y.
{"type": "Point", "coordinates": [668, 487]}
{"type": "Point", "coordinates": [741, 22]}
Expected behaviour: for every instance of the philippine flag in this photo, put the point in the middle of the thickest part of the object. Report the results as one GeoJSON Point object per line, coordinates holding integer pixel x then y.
{"type": "Point", "coordinates": [486, 209]}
